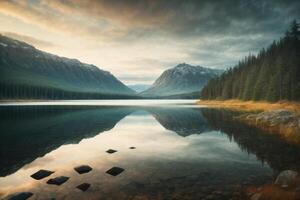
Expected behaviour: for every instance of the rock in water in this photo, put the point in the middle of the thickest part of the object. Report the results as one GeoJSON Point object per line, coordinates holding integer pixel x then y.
{"type": "Point", "coordinates": [256, 196]}
{"type": "Point", "coordinates": [41, 174]}
{"type": "Point", "coordinates": [286, 178]}
{"type": "Point", "coordinates": [58, 180]}
{"type": "Point", "coordinates": [83, 187]}
{"type": "Point", "coordinates": [83, 169]}
{"type": "Point", "coordinates": [115, 171]}
{"type": "Point", "coordinates": [111, 151]}
{"type": "Point", "coordinates": [20, 196]}
{"type": "Point", "coordinates": [132, 148]}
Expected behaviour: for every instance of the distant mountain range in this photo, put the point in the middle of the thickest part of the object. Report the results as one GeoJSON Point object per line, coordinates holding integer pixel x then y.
{"type": "Point", "coordinates": [139, 87]}
{"type": "Point", "coordinates": [181, 79]}
{"type": "Point", "coordinates": [27, 72]}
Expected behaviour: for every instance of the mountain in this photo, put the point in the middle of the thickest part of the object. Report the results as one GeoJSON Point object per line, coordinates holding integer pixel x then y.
{"type": "Point", "coordinates": [48, 127]}
{"type": "Point", "coordinates": [139, 87]}
{"type": "Point", "coordinates": [184, 122]}
{"type": "Point", "coordinates": [27, 72]}
{"type": "Point", "coordinates": [272, 75]}
{"type": "Point", "coordinates": [183, 78]}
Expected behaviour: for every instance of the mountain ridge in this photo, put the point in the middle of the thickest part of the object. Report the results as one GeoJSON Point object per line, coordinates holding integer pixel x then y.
{"type": "Point", "coordinates": [181, 79]}
{"type": "Point", "coordinates": [24, 66]}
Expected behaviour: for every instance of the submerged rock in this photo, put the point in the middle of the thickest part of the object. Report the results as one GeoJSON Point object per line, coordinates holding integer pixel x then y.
{"type": "Point", "coordinates": [283, 122]}
{"type": "Point", "coordinates": [286, 178]}
{"type": "Point", "coordinates": [58, 180]}
{"type": "Point", "coordinates": [132, 147]}
{"type": "Point", "coordinates": [83, 187]}
{"type": "Point", "coordinates": [41, 174]}
{"type": "Point", "coordinates": [20, 196]}
{"type": "Point", "coordinates": [82, 169]}
{"type": "Point", "coordinates": [275, 117]}
{"type": "Point", "coordinates": [256, 196]}
{"type": "Point", "coordinates": [111, 151]}
{"type": "Point", "coordinates": [115, 171]}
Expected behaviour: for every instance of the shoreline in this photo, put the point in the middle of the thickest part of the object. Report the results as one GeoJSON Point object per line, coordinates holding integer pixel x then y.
{"type": "Point", "coordinates": [252, 106]}
{"type": "Point", "coordinates": [280, 118]}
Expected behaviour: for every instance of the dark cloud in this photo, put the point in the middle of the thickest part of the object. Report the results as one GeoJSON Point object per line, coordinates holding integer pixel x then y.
{"type": "Point", "coordinates": [176, 17]}
{"type": "Point", "coordinates": [231, 29]}
{"type": "Point", "coordinates": [225, 51]}
{"type": "Point", "coordinates": [204, 32]}
{"type": "Point", "coordinates": [195, 18]}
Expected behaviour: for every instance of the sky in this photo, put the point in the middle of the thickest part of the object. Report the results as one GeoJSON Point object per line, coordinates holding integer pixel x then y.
{"type": "Point", "coordinates": [136, 40]}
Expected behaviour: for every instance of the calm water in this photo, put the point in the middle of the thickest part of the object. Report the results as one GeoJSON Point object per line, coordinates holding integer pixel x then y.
{"type": "Point", "coordinates": [183, 151]}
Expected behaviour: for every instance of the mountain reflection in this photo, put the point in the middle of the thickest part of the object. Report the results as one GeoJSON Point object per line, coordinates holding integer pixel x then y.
{"type": "Point", "coordinates": [183, 121]}
{"type": "Point", "coordinates": [32, 131]}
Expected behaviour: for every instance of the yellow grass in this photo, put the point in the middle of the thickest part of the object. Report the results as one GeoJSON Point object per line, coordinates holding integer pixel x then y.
{"type": "Point", "coordinates": [252, 105]}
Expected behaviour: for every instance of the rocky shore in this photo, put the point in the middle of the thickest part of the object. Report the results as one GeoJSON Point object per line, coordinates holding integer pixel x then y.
{"type": "Point", "coordinates": [286, 186]}
{"type": "Point", "coordinates": [283, 122]}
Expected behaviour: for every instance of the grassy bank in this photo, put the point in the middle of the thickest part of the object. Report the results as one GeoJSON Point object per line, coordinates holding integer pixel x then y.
{"type": "Point", "coordinates": [252, 106]}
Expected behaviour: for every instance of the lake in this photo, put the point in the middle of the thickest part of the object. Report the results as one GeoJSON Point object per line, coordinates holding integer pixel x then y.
{"type": "Point", "coordinates": [168, 149]}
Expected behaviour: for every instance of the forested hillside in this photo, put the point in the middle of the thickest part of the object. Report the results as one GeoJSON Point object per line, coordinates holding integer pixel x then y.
{"type": "Point", "coordinates": [272, 75]}
{"type": "Point", "coordinates": [28, 73]}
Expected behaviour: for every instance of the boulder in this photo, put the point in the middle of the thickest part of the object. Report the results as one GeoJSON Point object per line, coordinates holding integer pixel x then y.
{"type": "Point", "coordinates": [115, 171]}
{"type": "Point", "coordinates": [286, 178]}
{"type": "Point", "coordinates": [58, 180]}
{"type": "Point", "coordinates": [82, 169]}
{"type": "Point", "coordinates": [111, 151]}
{"type": "Point", "coordinates": [41, 174]}
{"type": "Point", "coordinates": [256, 196]}
{"type": "Point", "coordinates": [20, 196]}
{"type": "Point", "coordinates": [83, 187]}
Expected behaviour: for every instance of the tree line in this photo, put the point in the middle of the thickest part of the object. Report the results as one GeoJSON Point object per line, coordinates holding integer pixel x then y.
{"type": "Point", "coordinates": [272, 75]}
{"type": "Point", "coordinates": [18, 91]}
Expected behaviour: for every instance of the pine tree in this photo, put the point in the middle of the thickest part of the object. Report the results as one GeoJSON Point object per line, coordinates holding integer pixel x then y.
{"type": "Point", "coordinates": [272, 75]}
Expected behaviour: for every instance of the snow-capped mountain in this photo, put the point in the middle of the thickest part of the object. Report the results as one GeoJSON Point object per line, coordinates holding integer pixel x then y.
{"type": "Point", "coordinates": [23, 65]}
{"type": "Point", "coordinates": [183, 78]}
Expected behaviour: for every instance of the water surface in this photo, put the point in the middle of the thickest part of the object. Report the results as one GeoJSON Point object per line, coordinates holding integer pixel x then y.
{"type": "Point", "coordinates": [182, 151]}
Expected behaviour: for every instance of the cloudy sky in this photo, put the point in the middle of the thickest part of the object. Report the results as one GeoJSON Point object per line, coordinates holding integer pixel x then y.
{"type": "Point", "coordinates": [137, 39]}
